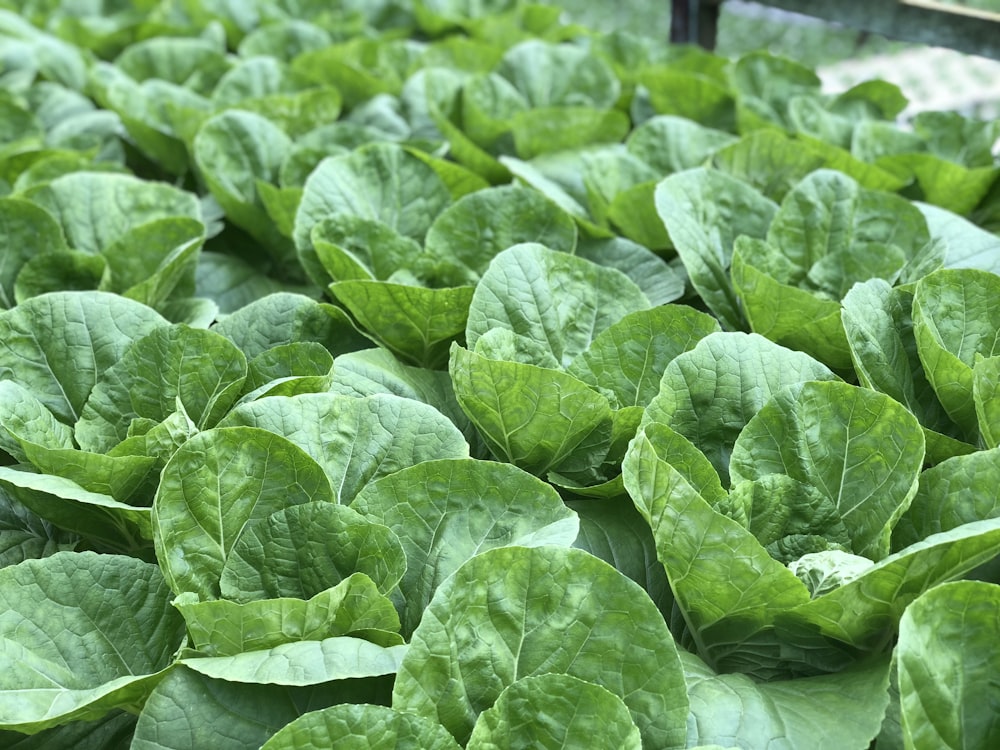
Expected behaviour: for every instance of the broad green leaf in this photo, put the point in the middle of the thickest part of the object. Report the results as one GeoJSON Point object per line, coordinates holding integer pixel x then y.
{"type": "Point", "coordinates": [445, 512]}
{"type": "Point", "coordinates": [726, 584]}
{"type": "Point", "coordinates": [380, 181]}
{"type": "Point", "coordinates": [95, 209]}
{"type": "Point", "coordinates": [516, 612]}
{"type": "Point", "coordinates": [61, 271]}
{"type": "Point", "coordinates": [954, 321]}
{"type": "Point", "coordinates": [305, 549]}
{"type": "Point", "coordinates": [544, 130]}
{"type": "Point", "coordinates": [467, 235]}
{"type": "Point", "coordinates": [687, 94]}
{"type": "Point", "coordinates": [68, 653]}
{"type": "Point", "coordinates": [943, 183]}
{"type": "Point", "coordinates": [985, 387]}
{"type": "Point", "coordinates": [26, 231]}
{"type": "Point", "coordinates": [91, 330]}
{"type": "Point", "coordinates": [353, 247]}
{"type": "Point", "coordinates": [193, 62]}
{"type": "Point", "coordinates": [414, 322]}
{"type": "Point", "coordinates": [304, 662]}
{"type": "Point", "coordinates": [153, 261]}
{"type": "Point", "coordinates": [672, 144]}
{"type": "Point", "coordinates": [372, 371]}
{"type": "Point", "coordinates": [287, 318]}
{"type": "Point", "coordinates": [362, 727]}
{"type": "Point", "coordinates": [879, 330]}
{"type": "Point", "coordinates": [734, 711]}
{"type": "Point", "coordinates": [26, 536]}
{"type": "Point", "coordinates": [289, 369]}
{"type": "Point", "coordinates": [660, 282]}
{"type": "Point", "coordinates": [533, 417]}
{"type": "Point", "coordinates": [555, 711]}
{"type": "Point", "coordinates": [198, 367]}
{"type": "Point", "coordinates": [861, 449]}
{"type": "Point", "coordinates": [233, 150]}
{"type": "Point", "coordinates": [955, 492]}
{"type": "Point", "coordinates": [628, 358]}
{"type": "Point", "coordinates": [96, 516]}
{"type": "Point", "coordinates": [216, 484]}
{"type": "Point", "coordinates": [614, 531]}
{"type": "Point", "coordinates": [704, 211]}
{"type": "Point", "coordinates": [947, 659]}
{"type": "Point", "coordinates": [547, 174]}
{"type": "Point", "coordinates": [227, 628]}
{"type": "Point", "coordinates": [797, 318]}
{"type": "Point", "coordinates": [968, 246]}
{"type": "Point", "coordinates": [231, 283]}
{"type": "Point", "coordinates": [112, 732]}
{"type": "Point", "coordinates": [187, 706]}
{"type": "Point", "coordinates": [284, 39]}
{"type": "Point", "coordinates": [356, 440]}
{"type": "Point", "coordinates": [563, 74]}
{"type": "Point", "coordinates": [768, 160]}
{"type": "Point", "coordinates": [772, 82]}
{"type": "Point", "coordinates": [23, 418]}
{"type": "Point", "coordinates": [864, 614]}
{"type": "Point", "coordinates": [709, 393]}
{"type": "Point", "coordinates": [552, 298]}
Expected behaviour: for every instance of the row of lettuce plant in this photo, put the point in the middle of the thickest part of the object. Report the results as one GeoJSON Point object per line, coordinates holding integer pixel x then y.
{"type": "Point", "coordinates": [438, 374]}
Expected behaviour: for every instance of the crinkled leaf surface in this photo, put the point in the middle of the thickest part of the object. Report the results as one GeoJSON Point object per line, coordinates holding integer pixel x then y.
{"type": "Point", "coordinates": [710, 392]}
{"type": "Point", "coordinates": [200, 368]}
{"type": "Point", "coordinates": [362, 727]}
{"type": "Point", "coordinates": [859, 448]}
{"type": "Point", "coordinates": [947, 660]}
{"type": "Point", "coordinates": [91, 330]}
{"type": "Point", "coordinates": [554, 299]}
{"type": "Point", "coordinates": [217, 483]}
{"type": "Point", "coordinates": [445, 512]}
{"type": "Point", "coordinates": [356, 440]}
{"type": "Point", "coordinates": [555, 712]}
{"type": "Point", "coordinates": [68, 651]}
{"type": "Point", "coordinates": [516, 612]}
{"type": "Point", "coordinates": [305, 549]}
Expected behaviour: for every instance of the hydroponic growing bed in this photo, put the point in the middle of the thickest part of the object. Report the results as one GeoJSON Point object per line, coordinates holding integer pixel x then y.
{"type": "Point", "coordinates": [434, 374]}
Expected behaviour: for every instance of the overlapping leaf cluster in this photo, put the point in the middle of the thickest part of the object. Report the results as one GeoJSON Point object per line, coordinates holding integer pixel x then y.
{"type": "Point", "coordinates": [438, 374]}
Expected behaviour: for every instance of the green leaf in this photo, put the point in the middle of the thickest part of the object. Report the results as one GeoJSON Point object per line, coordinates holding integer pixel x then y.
{"type": "Point", "coordinates": [726, 584]}
{"type": "Point", "coordinates": [25, 536]}
{"type": "Point", "coordinates": [26, 231]}
{"type": "Point", "coordinates": [672, 144]}
{"type": "Point", "coordinates": [709, 393]}
{"type": "Point", "coordinates": [953, 322]}
{"type": "Point", "coordinates": [861, 449]}
{"type": "Point", "coordinates": [660, 282]}
{"type": "Point", "coordinates": [305, 549]}
{"type": "Point", "coordinates": [628, 358]}
{"type": "Point", "coordinates": [233, 150]}
{"type": "Point", "coordinates": [413, 321]}
{"type": "Point", "coordinates": [733, 710]}
{"type": "Point", "coordinates": [227, 628]}
{"type": "Point", "coordinates": [467, 235]}
{"type": "Point", "coordinates": [66, 504]}
{"type": "Point", "coordinates": [352, 247]}
{"type": "Point", "coordinates": [362, 727]}
{"type": "Point", "coordinates": [96, 209]}
{"type": "Point", "coordinates": [91, 330]}
{"type": "Point", "coordinates": [550, 129]}
{"type": "Point", "coordinates": [381, 181]}
{"type": "Point", "coordinates": [233, 715]}
{"type": "Point", "coordinates": [574, 713]}
{"type": "Point", "coordinates": [985, 387]}
{"type": "Point", "coordinates": [304, 662]}
{"type": "Point", "coordinates": [552, 298]}
{"type": "Point", "coordinates": [879, 330]}
{"type": "Point", "coordinates": [532, 417]}
{"type": "Point", "coordinates": [216, 484]}
{"type": "Point", "coordinates": [947, 662]}
{"type": "Point", "coordinates": [516, 612]}
{"type": "Point", "coordinates": [287, 318]}
{"type": "Point", "coordinates": [704, 211]}
{"type": "Point", "coordinates": [201, 369]}
{"type": "Point", "coordinates": [445, 512]}
{"type": "Point", "coordinates": [67, 652]}
{"type": "Point", "coordinates": [356, 440]}
{"type": "Point", "coordinates": [954, 492]}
